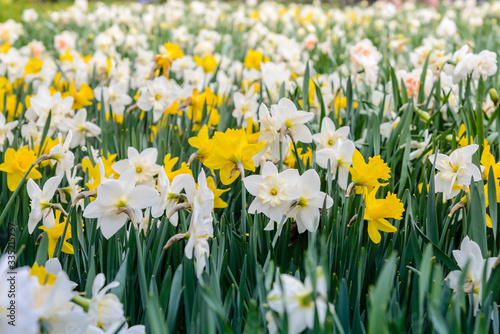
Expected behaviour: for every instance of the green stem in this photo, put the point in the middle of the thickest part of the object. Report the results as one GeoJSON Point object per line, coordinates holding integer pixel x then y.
{"type": "Point", "coordinates": [140, 263]}
{"type": "Point", "coordinates": [82, 301]}
{"type": "Point", "coordinates": [60, 242]}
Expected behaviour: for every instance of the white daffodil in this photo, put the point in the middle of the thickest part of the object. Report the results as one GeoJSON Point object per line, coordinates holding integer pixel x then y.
{"type": "Point", "coordinates": [470, 254]}
{"type": "Point", "coordinates": [200, 230]}
{"type": "Point", "coordinates": [270, 132]}
{"type": "Point", "coordinates": [292, 121]}
{"type": "Point", "coordinates": [274, 192]}
{"type": "Point", "coordinates": [340, 156]}
{"type": "Point", "coordinates": [306, 210]}
{"type": "Point", "coordinates": [73, 188]}
{"type": "Point", "coordinates": [22, 313]}
{"type": "Point", "coordinates": [245, 107]}
{"type": "Point", "coordinates": [61, 156]}
{"type": "Point", "coordinates": [456, 169]}
{"type": "Point", "coordinates": [6, 131]}
{"type": "Point", "coordinates": [204, 195]}
{"type": "Point", "coordinates": [158, 95]}
{"type": "Point", "coordinates": [296, 299]}
{"type": "Point", "coordinates": [12, 64]}
{"type": "Point", "coordinates": [329, 135]}
{"type": "Point", "coordinates": [115, 97]}
{"type": "Point", "coordinates": [81, 128]}
{"type": "Point", "coordinates": [53, 291]}
{"type": "Point", "coordinates": [41, 208]}
{"type": "Point", "coordinates": [117, 200]}
{"type": "Point", "coordinates": [105, 308]}
{"type": "Point", "coordinates": [461, 65]}
{"type": "Point", "coordinates": [144, 165]}
{"type": "Point", "coordinates": [171, 193]}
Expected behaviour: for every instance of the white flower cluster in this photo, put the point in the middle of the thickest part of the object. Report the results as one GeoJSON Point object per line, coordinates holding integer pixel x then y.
{"type": "Point", "coordinates": [44, 297]}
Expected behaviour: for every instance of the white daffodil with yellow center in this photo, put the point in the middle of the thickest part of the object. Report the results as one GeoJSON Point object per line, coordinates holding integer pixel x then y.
{"type": "Point", "coordinates": [329, 135]}
{"type": "Point", "coordinates": [118, 200]}
{"type": "Point", "coordinates": [292, 120]}
{"type": "Point", "coordinates": [296, 299]}
{"type": "Point", "coordinates": [274, 192]}
{"type": "Point", "coordinates": [340, 157]}
{"type": "Point", "coordinates": [455, 169]}
{"type": "Point", "coordinates": [470, 255]}
{"type": "Point", "coordinates": [158, 95]}
{"type": "Point", "coordinates": [306, 207]}
{"type": "Point", "coordinates": [41, 208]}
{"type": "Point", "coordinates": [171, 194]}
{"type": "Point", "coordinates": [144, 165]}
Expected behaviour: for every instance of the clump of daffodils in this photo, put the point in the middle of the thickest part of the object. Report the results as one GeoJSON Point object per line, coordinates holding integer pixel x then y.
{"type": "Point", "coordinates": [46, 301]}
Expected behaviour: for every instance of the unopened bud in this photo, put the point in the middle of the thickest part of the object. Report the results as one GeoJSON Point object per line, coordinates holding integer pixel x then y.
{"type": "Point", "coordinates": [423, 115]}
{"type": "Point", "coordinates": [494, 95]}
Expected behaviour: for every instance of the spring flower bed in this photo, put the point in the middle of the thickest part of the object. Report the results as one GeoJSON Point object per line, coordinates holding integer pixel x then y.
{"type": "Point", "coordinates": [210, 167]}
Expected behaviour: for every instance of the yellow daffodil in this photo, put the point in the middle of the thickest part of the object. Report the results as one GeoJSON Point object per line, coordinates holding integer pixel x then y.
{"type": "Point", "coordinates": [172, 52]}
{"type": "Point", "coordinates": [488, 161]}
{"type": "Point", "coordinates": [367, 175]}
{"type": "Point", "coordinates": [169, 167]}
{"type": "Point", "coordinates": [203, 143]}
{"type": "Point", "coordinates": [16, 164]}
{"type": "Point", "coordinates": [253, 59]}
{"type": "Point", "coordinates": [55, 234]}
{"type": "Point", "coordinates": [377, 211]}
{"type": "Point", "coordinates": [218, 202]}
{"type": "Point", "coordinates": [4, 48]}
{"type": "Point", "coordinates": [82, 98]}
{"type": "Point", "coordinates": [198, 102]}
{"type": "Point", "coordinates": [208, 63]}
{"type": "Point", "coordinates": [34, 66]}
{"type": "Point", "coordinates": [306, 157]}
{"type": "Point", "coordinates": [232, 153]}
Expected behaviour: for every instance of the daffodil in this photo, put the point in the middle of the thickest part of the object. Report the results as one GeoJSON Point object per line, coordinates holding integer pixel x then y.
{"type": "Point", "coordinates": [41, 207]}
{"type": "Point", "coordinates": [367, 175]}
{"type": "Point", "coordinates": [457, 168]}
{"type": "Point", "coordinates": [118, 200]}
{"type": "Point", "coordinates": [16, 164]}
{"type": "Point", "coordinates": [377, 211]}
{"type": "Point", "coordinates": [61, 156]}
{"type": "Point", "coordinates": [144, 165]}
{"type": "Point", "coordinates": [311, 199]}
{"type": "Point", "coordinates": [218, 202]}
{"type": "Point", "coordinates": [203, 143]}
{"type": "Point", "coordinates": [6, 131]}
{"type": "Point", "coordinates": [159, 95]}
{"type": "Point", "coordinates": [170, 163]}
{"type": "Point", "coordinates": [171, 193]}
{"type": "Point", "coordinates": [274, 192]}
{"type": "Point", "coordinates": [208, 63]}
{"type": "Point", "coordinates": [81, 128]}
{"type": "Point", "coordinates": [329, 135]}
{"type": "Point", "coordinates": [470, 255]}
{"type": "Point", "coordinates": [488, 161]}
{"type": "Point", "coordinates": [298, 300]}
{"type": "Point", "coordinates": [172, 52]}
{"type": "Point", "coordinates": [81, 98]}
{"type": "Point", "coordinates": [55, 233]}
{"type": "Point", "coordinates": [200, 230]}
{"type": "Point", "coordinates": [198, 102]}
{"type": "Point", "coordinates": [232, 154]}
{"type": "Point", "coordinates": [253, 59]}
{"type": "Point", "coordinates": [340, 157]}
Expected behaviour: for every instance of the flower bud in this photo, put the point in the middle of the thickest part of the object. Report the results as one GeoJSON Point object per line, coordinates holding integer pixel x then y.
{"type": "Point", "coordinates": [494, 95]}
